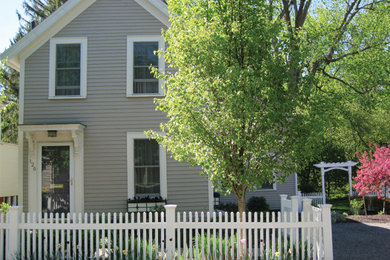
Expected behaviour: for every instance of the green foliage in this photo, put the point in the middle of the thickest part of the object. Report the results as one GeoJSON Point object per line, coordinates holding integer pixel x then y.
{"type": "Point", "coordinates": [340, 204]}
{"type": "Point", "coordinates": [257, 204]}
{"type": "Point", "coordinates": [34, 12]}
{"type": "Point", "coordinates": [338, 218]}
{"type": "Point", "coordinates": [228, 207]}
{"type": "Point", "coordinates": [159, 209]}
{"type": "Point", "coordinates": [4, 207]}
{"type": "Point", "coordinates": [356, 205]}
{"type": "Point", "coordinates": [9, 123]}
{"type": "Point", "coordinates": [257, 86]}
{"type": "Point", "coordinates": [9, 84]}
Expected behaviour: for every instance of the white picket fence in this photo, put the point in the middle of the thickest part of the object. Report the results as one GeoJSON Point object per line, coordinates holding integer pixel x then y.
{"type": "Point", "coordinates": [174, 235]}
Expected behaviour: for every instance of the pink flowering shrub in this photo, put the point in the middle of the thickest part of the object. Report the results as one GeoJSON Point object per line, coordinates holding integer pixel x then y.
{"type": "Point", "coordinates": [374, 173]}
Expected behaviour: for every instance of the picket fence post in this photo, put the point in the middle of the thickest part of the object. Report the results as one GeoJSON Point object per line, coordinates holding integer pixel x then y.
{"type": "Point", "coordinates": [13, 235]}
{"type": "Point", "coordinates": [283, 198]}
{"type": "Point", "coordinates": [327, 231]}
{"type": "Point", "coordinates": [306, 208]}
{"type": "Point", "coordinates": [170, 232]}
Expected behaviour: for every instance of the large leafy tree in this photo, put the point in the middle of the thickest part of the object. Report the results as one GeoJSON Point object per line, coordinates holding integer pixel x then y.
{"type": "Point", "coordinates": [257, 83]}
{"type": "Point", "coordinates": [35, 11]}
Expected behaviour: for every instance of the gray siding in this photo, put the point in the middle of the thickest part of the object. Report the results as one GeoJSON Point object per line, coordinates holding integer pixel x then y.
{"type": "Point", "coordinates": [107, 112]}
{"type": "Point", "coordinates": [272, 196]}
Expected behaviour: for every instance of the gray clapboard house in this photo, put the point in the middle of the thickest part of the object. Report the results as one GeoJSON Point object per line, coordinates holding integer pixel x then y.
{"type": "Point", "coordinates": [86, 98]}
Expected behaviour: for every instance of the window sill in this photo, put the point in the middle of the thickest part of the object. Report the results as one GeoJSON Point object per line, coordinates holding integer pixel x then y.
{"type": "Point", "coordinates": [266, 190]}
{"type": "Point", "coordinates": [145, 95]}
{"type": "Point", "coordinates": [68, 97]}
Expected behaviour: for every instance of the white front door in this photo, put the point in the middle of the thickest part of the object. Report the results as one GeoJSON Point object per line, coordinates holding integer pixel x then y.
{"type": "Point", "coordinates": [55, 185]}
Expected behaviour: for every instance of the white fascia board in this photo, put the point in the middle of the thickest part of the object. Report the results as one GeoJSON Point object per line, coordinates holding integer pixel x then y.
{"type": "Point", "coordinates": [58, 127]}
{"type": "Point", "coordinates": [44, 31]}
{"type": "Point", "coordinates": [157, 8]}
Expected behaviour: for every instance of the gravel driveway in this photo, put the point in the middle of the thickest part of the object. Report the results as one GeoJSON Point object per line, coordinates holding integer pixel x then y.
{"type": "Point", "coordinates": [361, 241]}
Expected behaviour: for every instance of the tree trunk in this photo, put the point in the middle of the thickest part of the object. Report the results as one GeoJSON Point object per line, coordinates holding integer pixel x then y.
{"type": "Point", "coordinates": [365, 206]}
{"type": "Point", "coordinates": [384, 201]}
{"type": "Point", "coordinates": [241, 209]}
{"type": "Point", "coordinates": [241, 204]}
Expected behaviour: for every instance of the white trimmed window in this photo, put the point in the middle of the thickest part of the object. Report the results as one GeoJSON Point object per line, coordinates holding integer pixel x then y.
{"type": "Point", "coordinates": [267, 186]}
{"type": "Point", "coordinates": [141, 57]}
{"type": "Point", "coordinates": [146, 167]}
{"type": "Point", "coordinates": [68, 68]}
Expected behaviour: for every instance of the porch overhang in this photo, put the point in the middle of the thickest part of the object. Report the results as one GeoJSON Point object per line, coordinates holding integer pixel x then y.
{"type": "Point", "coordinates": [52, 127]}
{"type": "Point", "coordinates": [39, 135]}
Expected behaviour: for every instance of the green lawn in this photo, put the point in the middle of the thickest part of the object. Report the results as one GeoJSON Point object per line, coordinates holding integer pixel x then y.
{"type": "Point", "coordinates": [339, 204]}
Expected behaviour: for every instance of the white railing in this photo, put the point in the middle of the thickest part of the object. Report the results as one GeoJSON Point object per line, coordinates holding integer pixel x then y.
{"type": "Point", "coordinates": [11, 200]}
{"type": "Point", "coordinates": [174, 235]}
{"type": "Point", "coordinates": [373, 194]}
{"type": "Point", "coordinates": [316, 197]}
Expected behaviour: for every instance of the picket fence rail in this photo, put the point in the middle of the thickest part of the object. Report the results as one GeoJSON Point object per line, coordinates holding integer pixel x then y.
{"type": "Point", "coordinates": [171, 235]}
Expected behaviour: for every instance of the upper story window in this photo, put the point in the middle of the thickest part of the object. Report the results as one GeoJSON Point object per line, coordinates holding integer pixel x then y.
{"type": "Point", "coordinates": [68, 68]}
{"type": "Point", "coordinates": [141, 57]}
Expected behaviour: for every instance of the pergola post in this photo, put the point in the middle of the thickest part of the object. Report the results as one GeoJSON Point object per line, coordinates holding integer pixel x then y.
{"type": "Point", "coordinates": [323, 185]}
{"type": "Point", "coordinates": [350, 180]}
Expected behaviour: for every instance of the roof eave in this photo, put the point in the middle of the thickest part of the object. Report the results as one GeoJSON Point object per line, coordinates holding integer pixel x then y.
{"type": "Point", "coordinates": [59, 19]}
{"type": "Point", "coordinates": [157, 8]}
{"type": "Point", "coordinates": [44, 31]}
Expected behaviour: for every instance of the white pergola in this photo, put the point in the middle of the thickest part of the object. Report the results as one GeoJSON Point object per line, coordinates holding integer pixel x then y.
{"type": "Point", "coordinates": [326, 167]}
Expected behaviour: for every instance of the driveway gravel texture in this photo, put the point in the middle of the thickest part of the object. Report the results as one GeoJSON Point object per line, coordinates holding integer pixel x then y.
{"type": "Point", "coordinates": [357, 240]}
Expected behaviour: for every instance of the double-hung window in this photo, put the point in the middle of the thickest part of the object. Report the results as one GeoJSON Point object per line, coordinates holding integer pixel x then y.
{"type": "Point", "coordinates": [141, 57]}
{"type": "Point", "coordinates": [68, 68]}
{"type": "Point", "coordinates": [146, 167]}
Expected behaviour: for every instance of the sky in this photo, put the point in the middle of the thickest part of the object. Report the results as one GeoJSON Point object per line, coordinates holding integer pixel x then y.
{"type": "Point", "coordinates": [9, 23]}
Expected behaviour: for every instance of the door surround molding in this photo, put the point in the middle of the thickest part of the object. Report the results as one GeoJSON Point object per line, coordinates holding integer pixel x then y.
{"type": "Point", "coordinates": [36, 136]}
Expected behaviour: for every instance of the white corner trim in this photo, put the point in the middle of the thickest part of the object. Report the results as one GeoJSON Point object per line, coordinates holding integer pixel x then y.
{"type": "Point", "coordinates": [131, 39]}
{"type": "Point", "coordinates": [156, 8]}
{"type": "Point", "coordinates": [83, 41]}
{"type": "Point", "coordinates": [296, 183]}
{"type": "Point", "coordinates": [130, 165]}
{"type": "Point", "coordinates": [211, 196]}
{"type": "Point", "coordinates": [22, 75]}
{"type": "Point", "coordinates": [20, 167]}
{"type": "Point", "coordinates": [44, 31]}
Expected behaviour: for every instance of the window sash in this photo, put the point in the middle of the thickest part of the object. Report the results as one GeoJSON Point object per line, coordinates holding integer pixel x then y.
{"type": "Point", "coordinates": [146, 167]}
{"type": "Point", "coordinates": [68, 69]}
{"type": "Point", "coordinates": [144, 58]}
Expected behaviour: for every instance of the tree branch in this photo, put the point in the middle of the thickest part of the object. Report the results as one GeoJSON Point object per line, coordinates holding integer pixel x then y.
{"type": "Point", "coordinates": [341, 81]}
{"type": "Point", "coordinates": [353, 53]}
